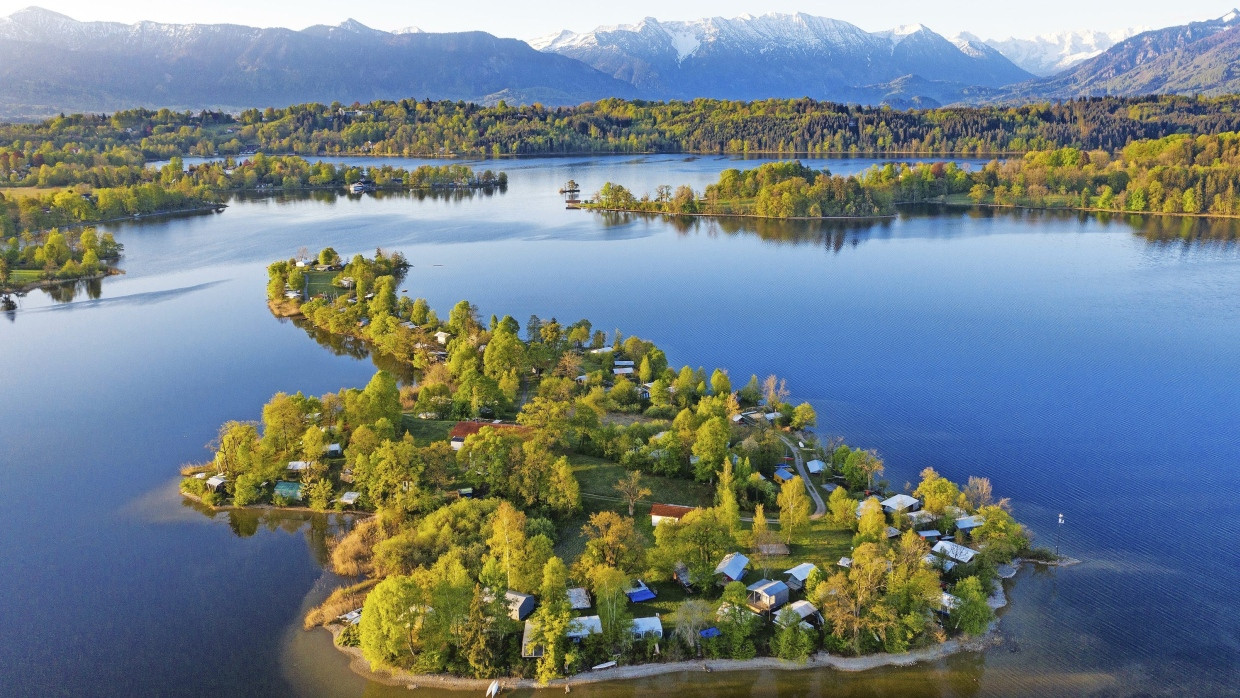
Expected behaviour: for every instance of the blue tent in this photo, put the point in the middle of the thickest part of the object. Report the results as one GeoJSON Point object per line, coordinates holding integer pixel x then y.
{"type": "Point", "coordinates": [710, 632]}
{"type": "Point", "coordinates": [640, 595]}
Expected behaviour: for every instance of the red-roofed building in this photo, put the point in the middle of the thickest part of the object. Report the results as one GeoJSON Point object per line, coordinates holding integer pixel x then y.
{"type": "Point", "coordinates": [668, 512]}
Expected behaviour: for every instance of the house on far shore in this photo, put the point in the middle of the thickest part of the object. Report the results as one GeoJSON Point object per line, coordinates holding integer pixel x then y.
{"type": "Point", "coordinates": [349, 499]}
{"type": "Point", "coordinates": [520, 606]}
{"type": "Point", "coordinates": [668, 512]}
{"type": "Point", "coordinates": [215, 483]}
{"type": "Point", "coordinates": [732, 567]}
{"type": "Point", "coordinates": [954, 551]}
{"type": "Point", "coordinates": [579, 598]}
{"type": "Point", "coordinates": [767, 595]}
{"type": "Point", "coordinates": [288, 490]}
{"type": "Point", "coordinates": [797, 575]}
{"type": "Point", "coordinates": [815, 466]}
{"type": "Point", "coordinates": [647, 627]}
{"type": "Point", "coordinates": [968, 523]}
{"type": "Point", "coordinates": [900, 502]}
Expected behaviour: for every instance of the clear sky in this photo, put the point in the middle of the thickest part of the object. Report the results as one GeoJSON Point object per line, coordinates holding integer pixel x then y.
{"type": "Point", "coordinates": [525, 20]}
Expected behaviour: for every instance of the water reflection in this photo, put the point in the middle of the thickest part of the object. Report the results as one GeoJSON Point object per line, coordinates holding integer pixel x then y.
{"type": "Point", "coordinates": [317, 527]}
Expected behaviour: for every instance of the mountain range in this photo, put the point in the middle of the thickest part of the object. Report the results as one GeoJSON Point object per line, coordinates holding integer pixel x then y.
{"type": "Point", "coordinates": [51, 63]}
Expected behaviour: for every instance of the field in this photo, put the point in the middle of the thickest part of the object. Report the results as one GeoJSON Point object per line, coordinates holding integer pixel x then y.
{"type": "Point", "coordinates": [321, 282]}
{"type": "Point", "coordinates": [21, 192]}
{"type": "Point", "coordinates": [425, 431]}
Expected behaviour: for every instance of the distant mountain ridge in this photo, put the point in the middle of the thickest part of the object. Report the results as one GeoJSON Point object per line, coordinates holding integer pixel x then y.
{"type": "Point", "coordinates": [1196, 58]}
{"type": "Point", "coordinates": [51, 63]}
{"type": "Point", "coordinates": [778, 55]}
{"type": "Point", "coordinates": [1048, 54]}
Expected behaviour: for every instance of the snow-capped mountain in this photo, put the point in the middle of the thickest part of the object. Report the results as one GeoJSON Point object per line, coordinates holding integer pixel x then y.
{"type": "Point", "coordinates": [51, 63]}
{"type": "Point", "coordinates": [776, 55]}
{"type": "Point", "coordinates": [1051, 53]}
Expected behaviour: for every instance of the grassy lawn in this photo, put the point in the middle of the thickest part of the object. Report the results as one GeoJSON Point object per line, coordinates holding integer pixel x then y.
{"type": "Point", "coordinates": [425, 431]}
{"type": "Point", "coordinates": [321, 282]}
{"type": "Point", "coordinates": [21, 276]}
{"type": "Point", "coordinates": [20, 192]}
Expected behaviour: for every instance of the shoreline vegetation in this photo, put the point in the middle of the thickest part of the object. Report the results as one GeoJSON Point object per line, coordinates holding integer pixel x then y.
{"type": "Point", "coordinates": [516, 531]}
{"type": "Point", "coordinates": [785, 127]}
{"type": "Point", "coordinates": [1173, 176]}
{"type": "Point", "coordinates": [36, 254]}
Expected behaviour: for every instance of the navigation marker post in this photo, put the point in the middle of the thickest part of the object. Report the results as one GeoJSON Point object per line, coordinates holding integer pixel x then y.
{"type": "Point", "coordinates": [1057, 530]}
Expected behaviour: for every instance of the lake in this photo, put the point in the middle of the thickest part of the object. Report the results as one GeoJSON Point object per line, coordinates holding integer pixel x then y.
{"type": "Point", "coordinates": [1084, 368]}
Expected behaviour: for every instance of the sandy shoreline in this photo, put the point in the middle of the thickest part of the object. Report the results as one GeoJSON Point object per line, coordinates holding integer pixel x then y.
{"type": "Point", "coordinates": [820, 660]}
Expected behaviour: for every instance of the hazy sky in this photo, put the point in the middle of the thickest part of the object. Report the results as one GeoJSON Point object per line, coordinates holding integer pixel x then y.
{"type": "Point", "coordinates": [527, 20]}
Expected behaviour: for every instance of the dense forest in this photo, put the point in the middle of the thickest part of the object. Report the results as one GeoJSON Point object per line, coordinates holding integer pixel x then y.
{"type": "Point", "coordinates": [445, 128]}
{"type": "Point", "coordinates": [475, 535]}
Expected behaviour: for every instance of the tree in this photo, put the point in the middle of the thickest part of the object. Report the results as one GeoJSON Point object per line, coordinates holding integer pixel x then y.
{"type": "Point", "coordinates": [936, 492]}
{"type": "Point", "coordinates": [860, 467]}
{"type": "Point", "coordinates": [774, 391]}
{"type": "Point", "coordinates": [391, 620]}
{"type": "Point", "coordinates": [794, 508]}
{"type": "Point", "coordinates": [725, 495]}
{"type": "Point", "coordinates": [736, 622]}
{"type": "Point", "coordinates": [552, 620]}
{"type": "Point", "coordinates": [760, 533]}
{"type": "Point", "coordinates": [614, 541]}
{"type": "Point", "coordinates": [872, 525]}
{"type": "Point", "coordinates": [978, 493]}
{"type": "Point", "coordinates": [507, 540]}
{"type": "Point", "coordinates": [804, 416]}
{"type": "Point", "coordinates": [632, 490]}
{"type": "Point", "coordinates": [609, 586]}
{"type": "Point", "coordinates": [972, 615]}
{"type": "Point", "coordinates": [791, 641]}
{"type": "Point", "coordinates": [692, 617]}
{"type": "Point", "coordinates": [477, 636]}
{"type": "Point", "coordinates": [563, 491]}
{"type": "Point", "coordinates": [720, 384]}
{"type": "Point", "coordinates": [711, 448]}
{"type": "Point", "coordinates": [843, 508]}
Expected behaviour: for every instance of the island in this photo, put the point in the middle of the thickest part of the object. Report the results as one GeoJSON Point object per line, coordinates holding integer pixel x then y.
{"type": "Point", "coordinates": [1178, 175]}
{"type": "Point", "coordinates": [34, 260]}
{"type": "Point", "coordinates": [549, 500]}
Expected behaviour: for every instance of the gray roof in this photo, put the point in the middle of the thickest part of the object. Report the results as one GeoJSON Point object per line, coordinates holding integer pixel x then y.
{"type": "Point", "coordinates": [802, 570]}
{"type": "Point", "coordinates": [733, 565]}
{"type": "Point", "coordinates": [955, 551]}
{"type": "Point", "coordinates": [578, 598]}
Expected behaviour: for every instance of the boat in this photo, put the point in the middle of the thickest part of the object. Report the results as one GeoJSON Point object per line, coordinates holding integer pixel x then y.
{"type": "Point", "coordinates": [493, 689]}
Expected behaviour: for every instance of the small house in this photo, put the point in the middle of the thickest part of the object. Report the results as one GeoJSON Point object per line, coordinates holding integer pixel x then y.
{"type": "Point", "coordinates": [297, 466]}
{"type": "Point", "coordinates": [668, 512]}
{"type": "Point", "coordinates": [349, 499]}
{"type": "Point", "coordinates": [520, 606]}
{"type": "Point", "coordinates": [920, 518]}
{"type": "Point", "coordinates": [583, 627]}
{"type": "Point", "coordinates": [783, 475]}
{"type": "Point", "coordinates": [334, 451]}
{"type": "Point", "coordinates": [215, 483]}
{"type": "Point", "coordinates": [647, 627]}
{"type": "Point", "coordinates": [861, 504]}
{"type": "Point", "coordinates": [815, 466]}
{"type": "Point", "coordinates": [930, 536]}
{"type": "Point", "coordinates": [602, 350]}
{"type": "Point", "coordinates": [767, 595]}
{"type": "Point", "coordinates": [531, 647]}
{"type": "Point", "coordinates": [442, 337]}
{"type": "Point", "coordinates": [948, 603]}
{"type": "Point", "coordinates": [892, 532]}
{"type": "Point", "coordinates": [954, 551]}
{"type": "Point", "coordinates": [900, 502]}
{"type": "Point", "coordinates": [457, 442]}
{"type": "Point", "coordinates": [732, 567]}
{"type": "Point", "coordinates": [968, 523]}
{"type": "Point", "coordinates": [799, 574]}
{"type": "Point", "coordinates": [623, 371]}
{"type": "Point", "coordinates": [622, 364]}
{"type": "Point", "coordinates": [288, 490]}
{"type": "Point", "coordinates": [579, 598]}
{"type": "Point", "coordinates": [845, 562]}
{"type": "Point", "coordinates": [810, 617]}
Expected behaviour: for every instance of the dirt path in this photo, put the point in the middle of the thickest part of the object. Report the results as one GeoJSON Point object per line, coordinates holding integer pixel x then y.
{"type": "Point", "coordinates": [820, 507]}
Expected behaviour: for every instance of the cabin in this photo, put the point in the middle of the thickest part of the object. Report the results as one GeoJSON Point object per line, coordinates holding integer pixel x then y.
{"type": "Point", "coordinates": [815, 466]}
{"type": "Point", "coordinates": [622, 364]}
{"type": "Point", "coordinates": [288, 490]}
{"type": "Point", "coordinates": [297, 466]}
{"type": "Point", "coordinates": [579, 598]}
{"type": "Point", "coordinates": [920, 518]}
{"type": "Point", "coordinates": [767, 595]}
{"type": "Point", "coordinates": [968, 523]}
{"type": "Point", "coordinates": [640, 592]}
{"type": "Point", "coordinates": [893, 532]}
{"type": "Point", "coordinates": [900, 502]}
{"type": "Point", "coordinates": [647, 627]}
{"type": "Point", "coordinates": [292, 295]}
{"type": "Point", "coordinates": [732, 567]}
{"type": "Point", "coordinates": [861, 504]}
{"type": "Point", "coordinates": [668, 512]}
{"type": "Point", "coordinates": [799, 574]}
{"type": "Point", "coordinates": [846, 562]}
{"type": "Point", "coordinates": [583, 627]}
{"type": "Point", "coordinates": [442, 337]}
{"type": "Point", "coordinates": [954, 551]}
{"type": "Point", "coordinates": [520, 606]}
{"type": "Point", "coordinates": [783, 475]}
{"type": "Point", "coordinates": [531, 648]}
{"type": "Point", "coordinates": [810, 617]}
{"type": "Point", "coordinates": [349, 499]}
{"type": "Point", "coordinates": [602, 350]}
{"type": "Point", "coordinates": [930, 536]}
{"type": "Point", "coordinates": [457, 442]}
{"type": "Point", "coordinates": [623, 371]}
{"type": "Point", "coordinates": [948, 603]}
{"type": "Point", "coordinates": [334, 451]}
{"type": "Point", "coordinates": [215, 483]}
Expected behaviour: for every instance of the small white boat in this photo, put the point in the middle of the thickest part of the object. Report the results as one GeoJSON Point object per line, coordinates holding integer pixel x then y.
{"type": "Point", "coordinates": [493, 689]}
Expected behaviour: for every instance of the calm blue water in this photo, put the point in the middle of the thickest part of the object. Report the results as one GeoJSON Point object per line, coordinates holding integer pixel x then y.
{"type": "Point", "coordinates": [1083, 368]}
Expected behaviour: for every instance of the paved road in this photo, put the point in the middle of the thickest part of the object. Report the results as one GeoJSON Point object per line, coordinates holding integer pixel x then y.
{"type": "Point", "coordinates": [820, 507]}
